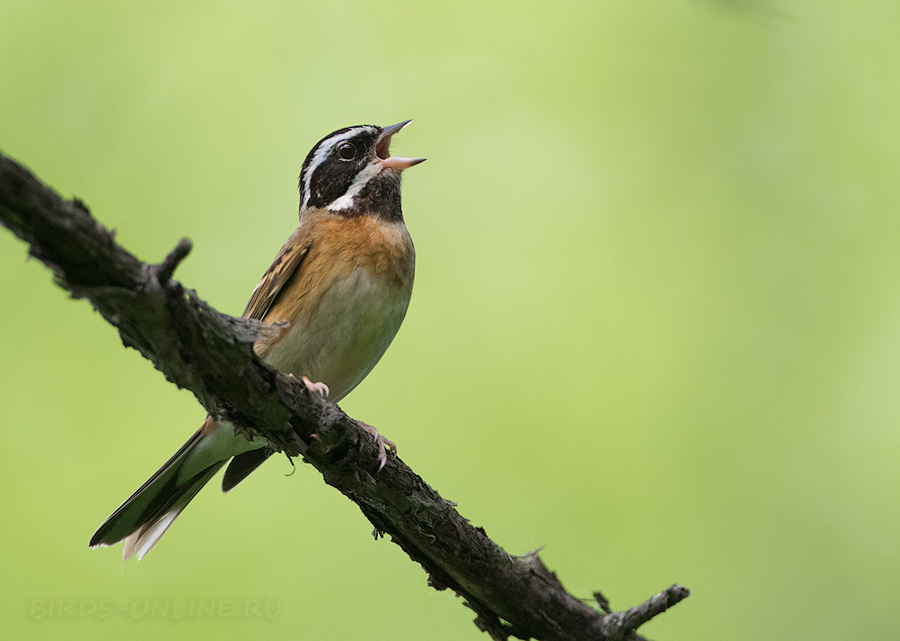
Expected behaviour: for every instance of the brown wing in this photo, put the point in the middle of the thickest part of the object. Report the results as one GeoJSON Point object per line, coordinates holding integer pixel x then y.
{"type": "Point", "coordinates": [286, 263]}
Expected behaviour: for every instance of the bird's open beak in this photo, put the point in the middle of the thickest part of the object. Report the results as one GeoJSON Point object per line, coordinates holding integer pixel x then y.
{"type": "Point", "coordinates": [383, 149]}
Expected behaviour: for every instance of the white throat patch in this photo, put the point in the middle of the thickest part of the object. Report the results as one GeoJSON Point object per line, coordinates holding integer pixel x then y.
{"type": "Point", "coordinates": [362, 178]}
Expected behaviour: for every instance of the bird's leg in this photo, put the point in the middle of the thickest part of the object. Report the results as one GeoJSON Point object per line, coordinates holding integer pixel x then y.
{"type": "Point", "coordinates": [380, 441]}
{"type": "Point", "coordinates": [319, 388]}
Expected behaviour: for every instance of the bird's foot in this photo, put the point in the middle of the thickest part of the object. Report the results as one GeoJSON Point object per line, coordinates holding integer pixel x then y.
{"type": "Point", "coordinates": [380, 441]}
{"type": "Point", "coordinates": [319, 388]}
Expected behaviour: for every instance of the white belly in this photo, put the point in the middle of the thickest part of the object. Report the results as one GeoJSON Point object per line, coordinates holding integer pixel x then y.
{"type": "Point", "coordinates": [353, 325]}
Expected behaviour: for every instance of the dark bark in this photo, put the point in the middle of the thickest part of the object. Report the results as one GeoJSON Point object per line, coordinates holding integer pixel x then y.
{"type": "Point", "coordinates": [210, 354]}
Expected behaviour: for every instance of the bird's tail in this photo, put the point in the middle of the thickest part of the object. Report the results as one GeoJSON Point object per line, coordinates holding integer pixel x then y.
{"type": "Point", "coordinates": [147, 514]}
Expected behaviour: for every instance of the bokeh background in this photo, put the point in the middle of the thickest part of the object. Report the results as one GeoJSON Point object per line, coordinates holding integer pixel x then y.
{"type": "Point", "coordinates": [656, 324]}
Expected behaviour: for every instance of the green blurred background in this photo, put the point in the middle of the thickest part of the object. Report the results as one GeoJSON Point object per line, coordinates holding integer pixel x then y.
{"type": "Point", "coordinates": [656, 324]}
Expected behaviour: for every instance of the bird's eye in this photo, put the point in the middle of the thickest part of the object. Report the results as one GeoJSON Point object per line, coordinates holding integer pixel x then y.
{"type": "Point", "coordinates": [346, 151]}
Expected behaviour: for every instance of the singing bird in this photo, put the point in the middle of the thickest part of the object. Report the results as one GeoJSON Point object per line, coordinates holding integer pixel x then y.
{"type": "Point", "coordinates": [338, 291]}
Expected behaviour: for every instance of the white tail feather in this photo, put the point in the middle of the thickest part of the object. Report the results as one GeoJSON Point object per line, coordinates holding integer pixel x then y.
{"type": "Point", "coordinates": [145, 538]}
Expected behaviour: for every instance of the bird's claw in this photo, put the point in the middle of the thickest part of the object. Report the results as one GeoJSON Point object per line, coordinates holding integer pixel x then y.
{"type": "Point", "coordinates": [319, 388]}
{"type": "Point", "coordinates": [381, 442]}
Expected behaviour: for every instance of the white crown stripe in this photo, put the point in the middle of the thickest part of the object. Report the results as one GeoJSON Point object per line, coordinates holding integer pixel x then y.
{"type": "Point", "coordinates": [322, 152]}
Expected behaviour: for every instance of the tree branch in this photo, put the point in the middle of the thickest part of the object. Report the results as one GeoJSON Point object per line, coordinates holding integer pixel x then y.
{"type": "Point", "coordinates": [211, 355]}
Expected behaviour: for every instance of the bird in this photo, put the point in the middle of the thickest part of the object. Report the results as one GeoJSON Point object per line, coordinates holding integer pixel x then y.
{"type": "Point", "coordinates": [336, 295]}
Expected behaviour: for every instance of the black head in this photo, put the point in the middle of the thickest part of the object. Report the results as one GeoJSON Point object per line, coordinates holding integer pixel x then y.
{"type": "Point", "coordinates": [351, 172]}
